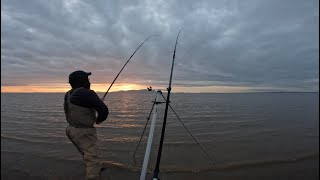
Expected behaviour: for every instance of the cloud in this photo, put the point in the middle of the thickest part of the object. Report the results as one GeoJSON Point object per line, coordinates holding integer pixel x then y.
{"type": "Point", "coordinates": [254, 43]}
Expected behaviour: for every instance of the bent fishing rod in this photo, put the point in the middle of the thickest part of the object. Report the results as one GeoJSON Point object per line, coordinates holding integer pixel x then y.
{"type": "Point", "coordinates": [156, 170]}
{"type": "Point", "coordinates": [125, 66]}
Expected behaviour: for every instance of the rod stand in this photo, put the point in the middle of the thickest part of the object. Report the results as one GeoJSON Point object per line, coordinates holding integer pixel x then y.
{"type": "Point", "coordinates": [150, 137]}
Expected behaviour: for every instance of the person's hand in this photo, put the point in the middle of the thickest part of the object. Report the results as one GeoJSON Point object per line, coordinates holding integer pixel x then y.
{"type": "Point", "coordinates": [102, 99]}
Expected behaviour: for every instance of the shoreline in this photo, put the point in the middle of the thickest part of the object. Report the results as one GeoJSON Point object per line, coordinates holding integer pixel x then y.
{"type": "Point", "coordinates": [26, 166]}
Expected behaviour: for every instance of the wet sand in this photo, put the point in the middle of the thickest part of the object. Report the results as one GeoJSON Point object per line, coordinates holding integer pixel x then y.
{"type": "Point", "coordinates": [27, 167]}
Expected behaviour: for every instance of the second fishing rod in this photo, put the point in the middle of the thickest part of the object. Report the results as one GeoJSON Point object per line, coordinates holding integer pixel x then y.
{"type": "Point", "coordinates": [156, 170]}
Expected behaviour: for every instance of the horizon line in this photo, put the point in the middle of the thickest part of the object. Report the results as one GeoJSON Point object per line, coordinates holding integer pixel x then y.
{"type": "Point", "coordinates": [141, 90]}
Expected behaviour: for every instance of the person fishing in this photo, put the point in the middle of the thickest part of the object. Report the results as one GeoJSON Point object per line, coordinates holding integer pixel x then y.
{"type": "Point", "coordinates": [80, 107]}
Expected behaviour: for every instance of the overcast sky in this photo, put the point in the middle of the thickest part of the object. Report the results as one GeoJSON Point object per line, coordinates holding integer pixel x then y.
{"type": "Point", "coordinates": [260, 44]}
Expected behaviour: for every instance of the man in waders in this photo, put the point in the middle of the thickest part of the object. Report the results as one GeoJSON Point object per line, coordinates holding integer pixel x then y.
{"type": "Point", "coordinates": [80, 107]}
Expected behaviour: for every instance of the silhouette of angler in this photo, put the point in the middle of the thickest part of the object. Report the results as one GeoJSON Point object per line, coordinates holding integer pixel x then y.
{"type": "Point", "coordinates": [80, 107]}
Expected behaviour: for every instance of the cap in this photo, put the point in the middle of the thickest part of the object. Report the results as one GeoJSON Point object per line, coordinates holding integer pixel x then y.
{"type": "Point", "coordinates": [79, 75]}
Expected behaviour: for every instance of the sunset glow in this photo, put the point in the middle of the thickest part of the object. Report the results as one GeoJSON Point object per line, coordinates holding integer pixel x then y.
{"type": "Point", "coordinates": [116, 87]}
{"type": "Point", "coordinates": [33, 88]}
{"type": "Point", "coordinates": [65, 87]}
{"type": "Point", "coordinates": [123, 87]}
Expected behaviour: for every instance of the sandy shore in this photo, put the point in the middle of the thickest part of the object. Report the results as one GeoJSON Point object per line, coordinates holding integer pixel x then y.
{"type": "Point", "coordinates": [30, 167]}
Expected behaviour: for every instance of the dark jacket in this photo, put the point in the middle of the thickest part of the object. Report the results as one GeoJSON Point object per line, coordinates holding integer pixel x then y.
{"type": "Point", "coordinates": [89, 99]}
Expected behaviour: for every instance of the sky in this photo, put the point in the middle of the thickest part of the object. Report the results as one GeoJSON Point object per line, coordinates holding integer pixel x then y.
{"type": "Point", "coordinates": [225, 45]}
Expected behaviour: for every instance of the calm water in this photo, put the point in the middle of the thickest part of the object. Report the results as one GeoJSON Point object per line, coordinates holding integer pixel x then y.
{"type": "Point", "coordinates": [242, 129]}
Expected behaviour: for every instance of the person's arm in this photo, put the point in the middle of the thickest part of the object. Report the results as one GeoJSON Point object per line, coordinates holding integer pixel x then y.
{"type": "Point", "coordinates": [99, 106]}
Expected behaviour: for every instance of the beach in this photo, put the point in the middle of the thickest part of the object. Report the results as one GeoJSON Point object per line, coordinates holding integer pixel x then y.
{"type": "Point", "coordinates": [35, 168]}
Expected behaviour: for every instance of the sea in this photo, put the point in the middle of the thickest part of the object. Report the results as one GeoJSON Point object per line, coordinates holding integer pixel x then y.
{"type": "Point", "coordinates": [244, 135]}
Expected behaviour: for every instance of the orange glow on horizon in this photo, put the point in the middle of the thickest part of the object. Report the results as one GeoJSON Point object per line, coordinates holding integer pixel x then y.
{"type": "Point", "coordinates": [116, 87]}
{"type": "Point", "coordinates": [33, 89]}
{"type": "Point", "coordinates": [53, 88]}
{"type": "Point", "coordinates": [60, 88]}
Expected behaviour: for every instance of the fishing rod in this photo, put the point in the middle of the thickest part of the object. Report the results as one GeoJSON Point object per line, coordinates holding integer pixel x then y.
{"type": "Point", "coordinates": [156, 170]}
{"type": "Point", "coordinates": [125, 66]}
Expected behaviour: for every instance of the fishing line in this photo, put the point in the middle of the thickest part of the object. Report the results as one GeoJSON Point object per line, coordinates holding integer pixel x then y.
{"type": "Point", "coordinates": [207, 154]}
{"type": "Point", "coordinates": [145, 126]}
{"type": "Point", "coordinates": [202, 148]}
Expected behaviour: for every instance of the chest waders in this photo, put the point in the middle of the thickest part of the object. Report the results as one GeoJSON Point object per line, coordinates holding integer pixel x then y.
{"type": "Point", "coordinates": [83, 135]}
